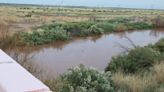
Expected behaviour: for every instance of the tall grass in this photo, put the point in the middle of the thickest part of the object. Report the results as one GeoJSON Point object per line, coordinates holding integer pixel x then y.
{"type": "Point", "coordinates": [152, 81]}
{"type": "Point", "coordinates": [149, 78]}
{"type": "Point", "coordinates": [159, 72]}
{"type": "Point", "coordinates": [53, 84]}
{"type": "Point", "coordinates": [158, 21]}
{"type": "Point", "coordinates": [8, 39]}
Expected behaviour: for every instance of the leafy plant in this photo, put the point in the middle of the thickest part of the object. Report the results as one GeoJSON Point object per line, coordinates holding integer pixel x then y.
{"type": "Point", "coordinates": [96, 30]}
{"type": "Point", "coordinates": [135, 60]}
{"type": "Point", "coordinates": [139, 25]}
{"type": "Point", "coordinates": [45, 36]}
{"type": "Point", "coordinates": [160, 45]}
{"type": "Point", "coordinates": [106, 26]}
{"type": "Point", "coordinates": [81, 79]}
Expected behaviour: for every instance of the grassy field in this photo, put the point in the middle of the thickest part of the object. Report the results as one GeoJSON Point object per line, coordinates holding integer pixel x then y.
{"type": "Point", "coordinates": [62, 23]}
{"type": "Point", "coordinates": [26, 17]}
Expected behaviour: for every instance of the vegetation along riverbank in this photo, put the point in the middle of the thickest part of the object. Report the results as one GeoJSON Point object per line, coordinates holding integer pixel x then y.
{"type": "Point", "coordinates": [67, 30]}
{"type": "Point", "coordinates": [139, 70]}
{"type": "Point", "coordinates": [36, 25]}
{"type": "Point", "coordinates": [61, 31]}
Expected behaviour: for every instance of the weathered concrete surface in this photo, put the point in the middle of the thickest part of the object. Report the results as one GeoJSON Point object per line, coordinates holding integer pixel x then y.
{"type": "Point", "coordinates": [14, 78]}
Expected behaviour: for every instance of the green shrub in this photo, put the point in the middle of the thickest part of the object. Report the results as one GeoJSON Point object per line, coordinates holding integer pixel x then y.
{"type": "Point", "coordinates": [85, 32]}
{"type": "Point", "coordinates": [119, 63]}
{"type": "Point", "coordinates": [81, 79]}
{"type": "Point", "coordinates": [96, 30]}
{"type": "Point", "coordinates": [160, 45]}
{"type": "Point", "coordinates": [107, 27]}
{"type": "Point", "coordinates": [123, 26]}
{"type": "Point", "coordinates": [62, 31]}
{"type": "Point", "coordinates": [120, 27]}
{"type": "Point", "coordinates": [139, 25]}
{"type": "Point", "coordinates": [74, 28]}
{"type": "Point", "coordinates": [119, 20]}
{"type": "Point", "coordinates": [77, 25]}
{"type": "Point", "coordinates": [136, 60]}
{"type": "Point", "coordinates": [45, 36]}
{"type": "Point", "coordinates": [143, 57]}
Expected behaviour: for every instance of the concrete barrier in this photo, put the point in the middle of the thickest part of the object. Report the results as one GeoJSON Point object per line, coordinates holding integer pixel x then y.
{"type": "Point", "coordinates": [14, 78]}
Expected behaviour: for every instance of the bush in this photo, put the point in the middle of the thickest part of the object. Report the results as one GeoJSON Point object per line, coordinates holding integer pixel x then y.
{"type": "Point", "coordinates": [81, 79]}
{"type": "Point", "coordinates": [74, 28]}
{"type": "Point", "coordinates": [107, 27]}
{"type": "Point", "coordinates": [143, 57]}
{"type": "Point", "coordinates": [85, 32]}
{"type": "Point", "coordinates": [119, 20]}
{"type": "Point", "coordinates": [138, 25]}
{"type": "Point", "coordinates": [45, 36]}
{"type": "Point", "coordinates": [59, 31]}
{"type": "Point", "coordinates": [136, 60]}
{"type": "Point", "coordinates": [96, 30]}
{"type": "Point", "coordinates": [160, 45]}
{"type": "Point", "coordinates": [120, 27]}
{"type": "Point", "coordinates": [119, 63]}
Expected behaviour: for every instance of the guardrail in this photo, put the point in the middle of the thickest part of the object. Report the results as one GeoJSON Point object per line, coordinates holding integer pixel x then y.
{"type": "Point", "coordinates": [14, 78]}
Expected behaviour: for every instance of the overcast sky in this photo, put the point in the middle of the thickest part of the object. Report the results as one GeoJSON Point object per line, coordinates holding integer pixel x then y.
{"type": "Point", "coordinates": [156, 4]}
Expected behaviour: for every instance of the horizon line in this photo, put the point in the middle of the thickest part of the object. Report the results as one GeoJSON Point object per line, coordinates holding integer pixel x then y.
{"type": "Point", "coordinates": [76, 6]}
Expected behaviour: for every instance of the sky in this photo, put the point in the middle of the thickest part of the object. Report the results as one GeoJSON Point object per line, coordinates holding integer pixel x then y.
{"type": "Point", "coordinates": [148, 4]}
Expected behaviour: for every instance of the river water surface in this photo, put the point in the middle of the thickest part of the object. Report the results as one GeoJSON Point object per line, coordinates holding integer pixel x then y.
{"type": "Point", "coordinates": [95, 51]}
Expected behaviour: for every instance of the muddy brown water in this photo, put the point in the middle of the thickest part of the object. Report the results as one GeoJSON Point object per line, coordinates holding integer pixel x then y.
{"type": "Point", "coordinates": [95, 51]}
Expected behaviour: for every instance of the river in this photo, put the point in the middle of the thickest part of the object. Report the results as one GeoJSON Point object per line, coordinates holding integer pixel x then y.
{"type": "Point", "coordinates": [93, 51]}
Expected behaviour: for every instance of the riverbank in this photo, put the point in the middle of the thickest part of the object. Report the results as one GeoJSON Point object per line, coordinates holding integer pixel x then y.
{"type": "Point", "coordinates": [67, 30]}
{"type": "Point", "coordinates": [141, 70]}
{"type": "Point", "coordinates": [85, 52]}
{"type": "Point", "coordinates": [143, 67]}
{"type": "Point", "coordinates": [59, 56]}
{"type": "Point", "coordinates": [62, 31]}
{"type": "Point", "coordinates": [43, 40]}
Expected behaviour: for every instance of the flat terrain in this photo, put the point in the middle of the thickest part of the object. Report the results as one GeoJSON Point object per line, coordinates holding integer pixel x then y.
{"type": "Point", "coordinates": [26, 17]}
{"type": "Point", "coordinates": [48, 40]}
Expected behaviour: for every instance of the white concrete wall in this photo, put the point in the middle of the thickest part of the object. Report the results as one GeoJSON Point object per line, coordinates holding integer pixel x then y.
{"type": "Point", "coordinates": [14, 78]}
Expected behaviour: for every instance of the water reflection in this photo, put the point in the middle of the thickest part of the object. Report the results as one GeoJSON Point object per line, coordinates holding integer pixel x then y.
{"type": "Point", "coordinates": [157, 32]}
{"type": "Point", "coordinates": [38, 69]}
